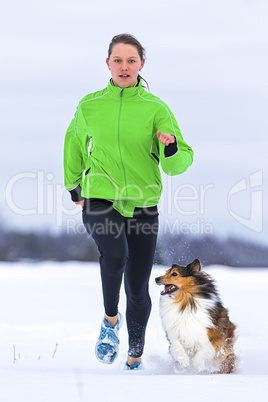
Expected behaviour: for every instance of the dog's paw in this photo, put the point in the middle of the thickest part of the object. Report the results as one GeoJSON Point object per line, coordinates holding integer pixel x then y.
{"type": "Point", "coordinates": [179, 355]}
{"type": "Point", "coordinates": [199, 364]}
{"type": "Point", "coordinates": [183, 360]}
{"type": "Point", "coordinates": [204, 358]}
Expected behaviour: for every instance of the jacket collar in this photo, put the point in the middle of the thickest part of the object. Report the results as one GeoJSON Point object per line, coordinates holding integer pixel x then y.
{"type": "Point", "coordinates": [124, 92]}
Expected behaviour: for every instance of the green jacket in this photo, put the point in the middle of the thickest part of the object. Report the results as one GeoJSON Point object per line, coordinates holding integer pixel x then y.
{"type": "Point", "coordinates": [112, 151]}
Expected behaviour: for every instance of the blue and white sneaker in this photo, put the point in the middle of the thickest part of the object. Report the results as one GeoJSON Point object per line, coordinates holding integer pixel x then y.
{"type": "Point", "coordinates": [107, 346]}
{"type": "Point", "coordinates": [134, 366]}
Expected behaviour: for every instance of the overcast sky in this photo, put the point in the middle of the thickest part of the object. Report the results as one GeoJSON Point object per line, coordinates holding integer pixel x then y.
{"type": "Point", "coordinates": [207, 59]}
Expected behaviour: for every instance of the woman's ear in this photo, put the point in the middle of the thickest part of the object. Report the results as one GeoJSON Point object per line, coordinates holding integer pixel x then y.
{"type": "Point", "coordinates": [108, 64]}
{"type": "Point", "coordinates": [142, 64]}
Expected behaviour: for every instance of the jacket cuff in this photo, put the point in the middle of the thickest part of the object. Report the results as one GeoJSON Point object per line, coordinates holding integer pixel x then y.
{"type": "Point", "coordinates": [171, 149]}
{"type": "Point", "coordinates": [76, 194]}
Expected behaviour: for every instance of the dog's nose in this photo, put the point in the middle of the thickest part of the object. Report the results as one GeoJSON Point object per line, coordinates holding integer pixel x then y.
{"type": "Point", "coordinates": [157, 280]}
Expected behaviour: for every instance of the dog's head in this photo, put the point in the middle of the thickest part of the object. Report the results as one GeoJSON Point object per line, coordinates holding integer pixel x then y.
{"type": "Point", "coordinates": [179, 277]}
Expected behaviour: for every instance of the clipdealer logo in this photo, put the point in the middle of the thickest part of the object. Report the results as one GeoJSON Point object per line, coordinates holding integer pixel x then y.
{"type": "Point", "coordinates": [250, 193]}
{"type": "Point", "coordinates": [244, 202]}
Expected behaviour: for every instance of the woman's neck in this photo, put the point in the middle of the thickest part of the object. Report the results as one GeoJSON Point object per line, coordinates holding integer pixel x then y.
{"type": "Point", "coordinates": [126, 87]}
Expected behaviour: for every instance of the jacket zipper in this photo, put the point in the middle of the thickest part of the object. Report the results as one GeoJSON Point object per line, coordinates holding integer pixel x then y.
{"type": "Point", "coordinates": [119, 147]}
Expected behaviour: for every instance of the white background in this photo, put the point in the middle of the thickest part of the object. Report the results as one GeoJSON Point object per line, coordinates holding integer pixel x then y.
{"type": "Point", "coordinates": [207, 59]}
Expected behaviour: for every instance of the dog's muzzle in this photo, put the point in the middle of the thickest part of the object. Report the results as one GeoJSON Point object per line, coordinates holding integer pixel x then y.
{"type": "Point", "coordinates": [169, 288]}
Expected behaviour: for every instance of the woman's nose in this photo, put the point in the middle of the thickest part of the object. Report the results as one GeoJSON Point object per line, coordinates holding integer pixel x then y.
{"type": "Point", "coordinates": [124, 66]}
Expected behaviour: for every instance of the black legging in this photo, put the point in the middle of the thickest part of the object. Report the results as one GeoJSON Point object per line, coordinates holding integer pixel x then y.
{"type": "Point", "coordinates": [126, 245]}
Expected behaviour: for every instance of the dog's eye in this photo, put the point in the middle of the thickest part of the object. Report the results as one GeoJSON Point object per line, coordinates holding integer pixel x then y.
{"type": "Point", "coordinates": [174, 274]}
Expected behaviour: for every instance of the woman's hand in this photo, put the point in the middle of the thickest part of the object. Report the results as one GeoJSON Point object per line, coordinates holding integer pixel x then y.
{"type": "Point", "coordinates": [81, 203]}
{"type": "Point", "coordinates": [166, 139]}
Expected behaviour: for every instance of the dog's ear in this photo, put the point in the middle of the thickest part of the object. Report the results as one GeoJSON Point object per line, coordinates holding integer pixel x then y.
{"type": "Point", "coordinates": [195, 266]}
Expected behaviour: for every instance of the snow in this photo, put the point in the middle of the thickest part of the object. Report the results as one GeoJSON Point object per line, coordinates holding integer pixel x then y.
{"type": "Point", "coordinates": [50, 318]}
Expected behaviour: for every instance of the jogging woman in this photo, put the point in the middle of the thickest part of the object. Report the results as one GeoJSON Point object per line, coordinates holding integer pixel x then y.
{"type": "Point", "coordinates": [112, 151]}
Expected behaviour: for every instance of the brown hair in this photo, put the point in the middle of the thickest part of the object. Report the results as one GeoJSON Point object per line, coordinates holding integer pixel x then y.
{"type": "Point", "coordinates": [128, 39]}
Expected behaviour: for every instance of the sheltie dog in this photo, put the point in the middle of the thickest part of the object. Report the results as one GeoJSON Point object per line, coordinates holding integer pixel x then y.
{"type": "Point", "coordinates": [196, 323]}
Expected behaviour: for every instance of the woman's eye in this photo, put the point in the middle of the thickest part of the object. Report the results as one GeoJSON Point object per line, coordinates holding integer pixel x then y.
{"type": "Point", "coordinates": [131, 61]}
{"type": "Point", "coordinates": [117, 61]}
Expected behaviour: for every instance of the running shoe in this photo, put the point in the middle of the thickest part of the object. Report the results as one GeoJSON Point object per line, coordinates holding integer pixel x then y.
{"type": "Point", "coordinates": [107, 346]}
{"type": "Point", "coordinates": [134, 366]}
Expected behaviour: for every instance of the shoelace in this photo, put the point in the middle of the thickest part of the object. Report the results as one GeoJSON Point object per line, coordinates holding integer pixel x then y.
{"type": "Point", "coordinates": [109, 332]}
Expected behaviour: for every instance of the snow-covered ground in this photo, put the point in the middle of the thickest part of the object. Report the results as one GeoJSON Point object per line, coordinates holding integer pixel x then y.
{"type": "Point", "coordinates": [50, 316]}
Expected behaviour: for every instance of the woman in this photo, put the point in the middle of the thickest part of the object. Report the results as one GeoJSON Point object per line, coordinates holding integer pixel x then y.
{"type": "Point", "coordinates": [112, 151]}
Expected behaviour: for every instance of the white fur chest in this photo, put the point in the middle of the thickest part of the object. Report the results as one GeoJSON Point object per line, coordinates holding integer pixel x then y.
{"type": "Point", "coordinates": [188, 327]}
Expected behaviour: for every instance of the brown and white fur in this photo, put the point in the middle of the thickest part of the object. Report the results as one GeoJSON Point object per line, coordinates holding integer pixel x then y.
{"type": "Point", "coordinates": [196, 323]}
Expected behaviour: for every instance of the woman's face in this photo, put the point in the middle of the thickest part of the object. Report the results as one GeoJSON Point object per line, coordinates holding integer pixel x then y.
{"type": "Point", "coordinates": [125, 64]}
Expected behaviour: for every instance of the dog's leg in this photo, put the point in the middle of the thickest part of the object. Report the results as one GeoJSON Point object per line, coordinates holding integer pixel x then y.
{"type": "Point", "coordinates": [178, 353]}
{"type": "Point", "coordinates": [204, 355]}
{"type": "Point", "coordinates": [228, 363]}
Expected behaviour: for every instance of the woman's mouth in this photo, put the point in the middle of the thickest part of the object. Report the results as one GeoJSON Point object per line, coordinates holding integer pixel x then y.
{"type": "Point", "coordinates": [124, 76]}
